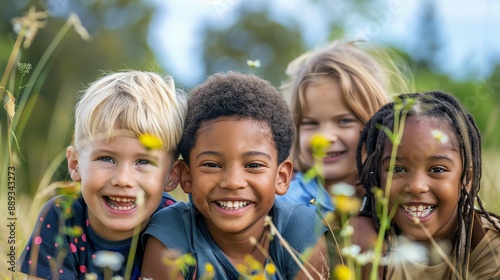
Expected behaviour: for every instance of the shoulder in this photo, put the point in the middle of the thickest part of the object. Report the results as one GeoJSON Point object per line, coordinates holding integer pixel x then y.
{"type": "Point", "coordinates": [72, 209]}
{"type": "Point", "coordinates": [301, 190]}
{"type": "Point", "coordinates": [172, 220]}
{"type": "Point", "coordinates": [166, 200]}
{"type": "Point", "coordinates": [288, 211]}
{"type": "Point", "coordinates": [485, 255]}
{"type": "Point", "coordinates": [296, 220]}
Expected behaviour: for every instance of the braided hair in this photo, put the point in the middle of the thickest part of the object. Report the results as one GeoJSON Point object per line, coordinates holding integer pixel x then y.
{"type": "Point", "coordinates": [429, 104]}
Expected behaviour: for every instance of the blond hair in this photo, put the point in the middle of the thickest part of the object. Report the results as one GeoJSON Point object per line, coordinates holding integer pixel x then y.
{"type": "Point", "coordinates": [136, 102]}
{"type": "Point", "coordinates": [366, 76]}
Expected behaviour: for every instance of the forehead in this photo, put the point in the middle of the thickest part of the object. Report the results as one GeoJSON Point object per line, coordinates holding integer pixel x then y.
{"type": "Point", "coordinates": [322, 92]}
{"type": "Point", "coordinates": [234, 130]}
{"type": "Point", "coordinates": [426, 134]}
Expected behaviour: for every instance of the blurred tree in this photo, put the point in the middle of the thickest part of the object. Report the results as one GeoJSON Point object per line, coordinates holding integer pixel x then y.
{"type": "Point", "coordinates": [255, 36]}
{"type": "Point", "coordinates": [428, 41]}
{"type": "Point", "coordinates": [118, 28]}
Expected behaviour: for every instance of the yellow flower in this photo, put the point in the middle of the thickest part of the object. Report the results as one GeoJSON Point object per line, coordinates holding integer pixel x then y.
{"type": "Point", "coordinates": [270, 269]}
{"type": "Point", "coordinates": [150, 142]}
{"type": "Point", "coordinates": [346, 204]}
{"type": "Point", "coordinates": [342, 272]}
{"type": "Point", "coordinates": [319, 144]}
{"type": "Point", "coordinates": [209, 267]}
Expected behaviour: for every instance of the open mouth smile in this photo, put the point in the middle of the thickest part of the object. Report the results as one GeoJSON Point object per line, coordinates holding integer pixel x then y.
{"type": "Point", "coordinates": [419, 211]}
{"type": "Point", "coordinates": [120, 203]}
{"type": "Point", "coordinates": [232, 205]}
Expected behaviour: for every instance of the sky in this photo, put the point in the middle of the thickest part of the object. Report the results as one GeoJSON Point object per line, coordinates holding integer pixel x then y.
{"type": "Point", "coordinates": [469, 29]}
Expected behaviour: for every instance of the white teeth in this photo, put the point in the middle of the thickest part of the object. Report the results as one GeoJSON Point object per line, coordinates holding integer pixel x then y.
{"type": "Point", "coordinates": [232, 205]}
{"type": "Point", "coordinates": [333, 154]}
{"type": "Point", "coordinates": [123, 199]}
{"type": "Point", "coordinates": [418, 211]}
{"type": "Point", "coordinates": [112, 199]}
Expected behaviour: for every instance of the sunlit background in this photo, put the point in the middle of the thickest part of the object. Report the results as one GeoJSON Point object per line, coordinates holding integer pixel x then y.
{"type": "Point", "coordinates": [448, 45]}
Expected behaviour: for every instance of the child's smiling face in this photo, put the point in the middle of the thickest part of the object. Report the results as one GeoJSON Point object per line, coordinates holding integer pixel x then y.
{"type": "Point", "coordinates": [427, 179]}
{"type": "Point", "coordinates": [233, 174]}
{"type": "Point", "coordinates": [112, 175]}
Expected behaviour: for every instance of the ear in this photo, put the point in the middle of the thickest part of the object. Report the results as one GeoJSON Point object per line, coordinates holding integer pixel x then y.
{"type": "Point", "coordinates": [184, 176]}
{"type": "Point", "coordinates": [173, 178]}
{"type": "Point", "coordinates": [72, 157]}
{"type": "Point", "coordinates": [284, 177]}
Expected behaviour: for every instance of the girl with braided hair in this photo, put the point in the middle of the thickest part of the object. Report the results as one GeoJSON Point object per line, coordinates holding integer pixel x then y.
{"type": "Point", "coordinates": [434, 180]}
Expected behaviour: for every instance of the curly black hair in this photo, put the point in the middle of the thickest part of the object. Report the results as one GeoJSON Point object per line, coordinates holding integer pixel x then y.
{"type": "Point", "coordinates": [448, 108]}
{"type": "Point", "coordinates": [243, 96]}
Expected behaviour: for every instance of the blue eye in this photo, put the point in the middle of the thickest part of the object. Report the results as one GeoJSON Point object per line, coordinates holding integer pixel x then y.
{"type": "Point", "coordinates": [143, 162]}
{"type": "Point", "coordinates": [106, 159]}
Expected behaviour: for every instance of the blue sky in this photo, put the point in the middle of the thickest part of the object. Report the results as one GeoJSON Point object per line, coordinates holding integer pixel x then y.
{"type": "Point", "coordinates": [469, 29]}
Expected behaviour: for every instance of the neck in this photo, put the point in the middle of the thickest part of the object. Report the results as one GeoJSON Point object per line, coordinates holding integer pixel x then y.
{"type": "Point", "coordinates": [237, 247]}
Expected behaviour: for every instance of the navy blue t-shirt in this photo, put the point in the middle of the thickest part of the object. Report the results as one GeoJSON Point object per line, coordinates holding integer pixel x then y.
{"type": "Point", "coordinates": [71, 254]}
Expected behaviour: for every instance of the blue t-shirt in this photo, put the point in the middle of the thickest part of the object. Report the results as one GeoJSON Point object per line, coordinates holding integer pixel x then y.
{"type": "Point", "coordinates": [73, 254]}
{"type": "Point", "coordinates": [188, 233]}
{"type": "Point", "coordinates": [302, 191]}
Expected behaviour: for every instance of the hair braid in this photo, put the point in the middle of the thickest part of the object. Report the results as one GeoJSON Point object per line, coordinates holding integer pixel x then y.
{"type": "Point", "coordinates": [448, 108]}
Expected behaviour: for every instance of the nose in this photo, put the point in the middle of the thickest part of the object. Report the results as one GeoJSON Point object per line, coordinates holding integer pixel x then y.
{"type": "Point", "coordinates": [331, 132]}
{"type": "Point", "coordinates": [233, 178]}
{"type": "Point", "coordinates": [417, 184]}
{"type": "Point", "coordinates": [123, 177]}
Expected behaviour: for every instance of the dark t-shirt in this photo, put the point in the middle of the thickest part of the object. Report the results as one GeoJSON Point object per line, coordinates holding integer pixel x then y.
{"type": "Point", "coordinates": [70, 253]}
{"type": "Point", "coordinates": [188, 233]}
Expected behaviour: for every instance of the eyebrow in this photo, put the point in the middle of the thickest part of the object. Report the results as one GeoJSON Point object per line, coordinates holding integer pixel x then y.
{"type": "Point", "coordinates": [114, 153]}
{"type": "Point", "coordinates": [438, 157]}
{"type": "Point", "coordinates": [249, 153]}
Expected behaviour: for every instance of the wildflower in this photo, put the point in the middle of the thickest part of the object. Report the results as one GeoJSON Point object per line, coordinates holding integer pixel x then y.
{"type": "Point", "coordinates": [29, 24]}
{"type": "Point", "coordinates": [253, 63]}
{"type": "Point", "coordinates": [346, 204]}
{"type": "Point", "coordinates": [364, 258]}
{"type": "Point", "coordinates": [344, 199]}
{"type": "Point", "coordinates": [351, 251]}
{"type": "Point", "coordinates": [117, 277]}
{"type": "Point", "coordinates": [90, 276]}
{"type": "Point", "coordinates": [319, 144]}
{"type": "Point", "coordinates": [440, 136]}
{"type": "Point", "coordinates": [343, 189]}
{"type": "Point", "coordinates": [209, 270]}
{"type": "Point", "coordinates": [270, 269]}
{"type": "Point", "coordinates": [150, 142]}
{"type": "Point", "coordinates": [407, 251]}
{"type": "Point", "coordinates": [347, 231]}
{"type": "Point", "coordinates": [24, 68]}
{"type": "Point", "coordinates": [342, 272]}
{"type": "Point", "coordinates": [108, 259]}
